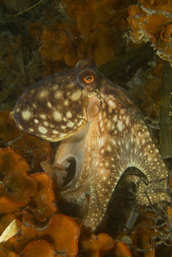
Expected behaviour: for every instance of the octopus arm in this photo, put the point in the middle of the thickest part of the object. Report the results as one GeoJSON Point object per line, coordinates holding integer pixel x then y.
{"type": "Point", "coordinates": [100, 193]}
{"type": "Point", "coordinates": [146, 157]}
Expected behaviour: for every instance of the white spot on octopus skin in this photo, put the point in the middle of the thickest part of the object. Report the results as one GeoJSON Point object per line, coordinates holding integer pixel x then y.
{"type": "Point", "coordinates": [69, 114]}
{"type": "Point", "coordinates": [70, 85]}
{"type": "Point", "coordinates": [115, 118]}
{"type": "Point", "coordinates": [70, 124]}
{"type": "Point", "coordinates": [66, 102]}
{"type": "Point", "coordinates": [112, 104]}
{"type": "Point", "coordinates": [31, 129]}
{"type": "Point", "coordinates": [55, 131]}
{"type": "Point", "coordinates": [76, 95]}
{"type": "Point", "coordinates": [42, 130]}
{"type": "Point", "coordinates": [20, 126]}
{"type": "Point", "coordinates": [127, 120]}
{"type": "Point", "coordinates": [58, 94]}
{"type": "Point", "coordinates": [102, 172]}
{"type": "Point", "coordinates": [43, 116]}
{"type": "Point", "coordinates": [26, 114]}
{"type": "Point", "coordinates": [34, 106]}
{"type": "Point", "coordinates": [57, 116]}
{"type": "Point", "coordinates": [49, 105]}
{"type": "Point", "coordinates": [63, 127]}
{"type": "Point", "coordinates": [55, 87]}
{"type": "Point", "coordinates": [43, 93]}
{"type": "Point", "coordinates": [120, 125]}
{"type": "Point", "coordinates": [45, 123]}
{"type": "Point", "coordinates": [36, 121]}
{"type": "Point", "coordinates": [109, 124]}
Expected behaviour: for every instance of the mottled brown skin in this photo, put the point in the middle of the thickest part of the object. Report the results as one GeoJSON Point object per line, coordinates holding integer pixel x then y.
{"type": "Point", "coordinates": [101, 128]}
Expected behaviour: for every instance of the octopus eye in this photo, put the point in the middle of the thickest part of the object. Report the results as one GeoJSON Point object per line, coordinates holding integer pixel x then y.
{"type": "Point", "coordinates": [88, 79]}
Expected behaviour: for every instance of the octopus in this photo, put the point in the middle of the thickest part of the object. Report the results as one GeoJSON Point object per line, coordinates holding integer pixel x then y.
{"type": "Point", "coordinates": [102, 130]}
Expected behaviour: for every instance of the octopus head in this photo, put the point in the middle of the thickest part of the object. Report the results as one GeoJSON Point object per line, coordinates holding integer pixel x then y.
{"type": "Point", "coordinates": [61, 105]}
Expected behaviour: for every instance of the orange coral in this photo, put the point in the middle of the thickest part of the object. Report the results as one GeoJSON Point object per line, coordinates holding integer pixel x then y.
{"type": "Point", "coordinates": [91, 29]}
{"type": "Point", "coordinates": [40, 248]}
{"type": "Point", "coordinates": [57, 42]}
{"type": "Point", "coordinates": [162, 5]}
{"type": "Point", "coordinates": [43, 204]}
{"type": "Point", "coordinates": [7, 253]}
{"type": "Point", "coordinates": [65, 232]}
{"type": "Point", "coordinates": [62, 230]}
{"type": "Point", "coordinates": [144, 234]}
{"type": "Point", "coordinates": [151, 21]}
{"type": "Point", "coordinates": [122, 250]}
{"type": "Point", "coordinates": [35, 193]}
{"type": "Point", "coordinates": [98, 245]}
{"type": "Point", "coordinates": [16, 186]}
